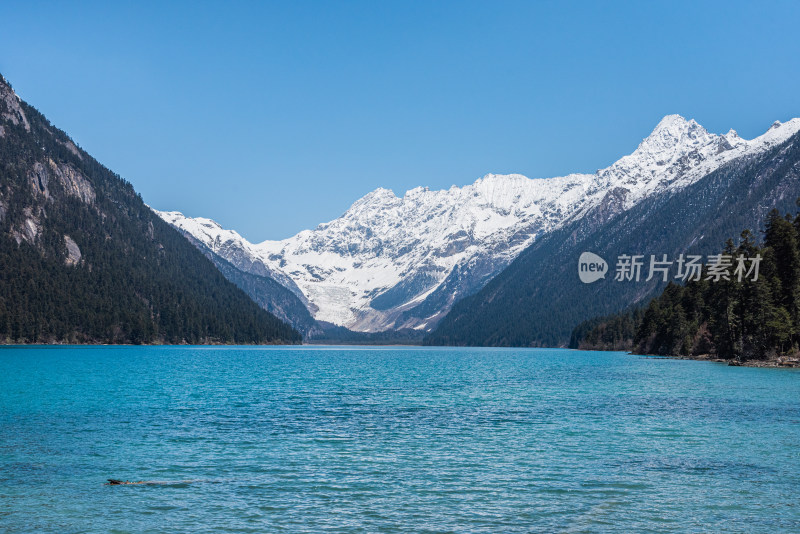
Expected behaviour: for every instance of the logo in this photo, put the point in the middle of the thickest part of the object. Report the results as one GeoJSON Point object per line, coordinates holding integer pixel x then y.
{"type": "Point", "coordinates": [591, 267]}
{"type": "Point", "coordinates": [690, 267]}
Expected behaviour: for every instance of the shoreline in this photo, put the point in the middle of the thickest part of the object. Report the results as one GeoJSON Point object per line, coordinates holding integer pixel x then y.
{"type": "Point", "coordinates": [782, 362]}
{"type": "Point", "coordinates": [775, 363]}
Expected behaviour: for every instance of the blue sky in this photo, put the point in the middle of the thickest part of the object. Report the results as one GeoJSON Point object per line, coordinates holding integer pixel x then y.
{"type": "Point", "coordinates": [274, 117]}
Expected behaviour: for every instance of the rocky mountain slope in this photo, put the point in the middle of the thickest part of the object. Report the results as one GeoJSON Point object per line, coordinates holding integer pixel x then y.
{"type": "Point", "coordinates": [394, 262]}
{"type": "Point", "coordinates": [83, 259]}
{"type": "Point", "coordinates": [539, 298]}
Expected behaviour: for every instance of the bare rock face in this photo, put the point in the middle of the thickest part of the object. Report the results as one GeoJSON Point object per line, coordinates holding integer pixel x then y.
{"type": "Point", "coordinates": [73, 252]}
{"type": "Point", "coordinates": [39, 179]}
{"type": "Point", "coordinates": [10, 109]}
{"type": "Point", "coordinates": [47, 179]}
{"type": "Point", "coordinates": [73, 181]}
{"type": "Point", "coordinates": [72, 148]}
{"type": "Point", "coordinates": [29, 230]}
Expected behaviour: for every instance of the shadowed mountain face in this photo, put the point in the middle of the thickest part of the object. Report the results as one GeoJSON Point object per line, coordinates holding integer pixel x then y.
{"type": "Point", "coordinates": [394, 263]}
{"type": "Point", "coordinates": [539, 298]}
{"type": "Point", "coordinates": [83, 259]}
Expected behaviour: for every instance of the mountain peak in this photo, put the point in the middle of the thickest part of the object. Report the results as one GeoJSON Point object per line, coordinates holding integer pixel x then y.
{"type": "Point", "coordinates": [675, 126]}
{"type": "Point", "coordinates": [673, 133]}
{"type": "Point", "coordinates": [673, 120]}
{"type": "Point", "coordinates": [371, 201]}
{"type": "Point", "coordinates": [5, 85]}
{"type": "Point", "coordinates": [10, 108]}
{"type": "Point", "coordinates": [381, 192]}
{"type": "Point", "coordinates": [394, 263]}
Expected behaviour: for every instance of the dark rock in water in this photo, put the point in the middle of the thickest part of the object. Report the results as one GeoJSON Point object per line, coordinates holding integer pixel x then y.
{"type": "Point", "coordinates": [117, 482]}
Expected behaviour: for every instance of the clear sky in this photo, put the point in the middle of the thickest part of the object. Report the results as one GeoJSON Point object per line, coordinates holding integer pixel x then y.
{"type": "Point", "coordinates": [272, 117]}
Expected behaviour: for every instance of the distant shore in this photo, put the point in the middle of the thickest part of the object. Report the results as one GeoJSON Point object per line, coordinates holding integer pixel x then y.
{"type": "Point", "coordinates": [782, 362]}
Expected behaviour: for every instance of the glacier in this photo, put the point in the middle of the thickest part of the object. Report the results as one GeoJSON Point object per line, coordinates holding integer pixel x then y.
{"type": "Point", "coordinates": [392, 262]}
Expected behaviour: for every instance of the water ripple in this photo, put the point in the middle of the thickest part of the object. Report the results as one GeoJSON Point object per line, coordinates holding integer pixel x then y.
{"type": "Point", "coordinates": [312, 439]}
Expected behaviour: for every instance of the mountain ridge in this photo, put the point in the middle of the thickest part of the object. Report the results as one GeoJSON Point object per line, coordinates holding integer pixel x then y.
{"type": "Point", "coordinates": [539, 298]}
{"type": "Point", "coordinates": [84, 260]}
{"type": "Point", "coordinates": [392, 262]}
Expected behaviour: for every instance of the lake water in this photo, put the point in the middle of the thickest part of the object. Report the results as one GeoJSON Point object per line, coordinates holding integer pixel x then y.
{"type": "Point", "coordinates": [324, 439]}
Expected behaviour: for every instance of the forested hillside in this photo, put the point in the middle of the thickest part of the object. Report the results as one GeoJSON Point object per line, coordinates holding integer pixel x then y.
{"type": "Point", "coordinates": [740, 318]}
{"type": "Point", "coordinates": [84, 260]}
{"type": "Point", "coordinates": [611, 332]}
{"type": "Point", "coordinates": [538, 300]}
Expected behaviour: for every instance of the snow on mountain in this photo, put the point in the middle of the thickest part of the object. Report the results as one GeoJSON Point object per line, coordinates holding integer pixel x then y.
{"type": "Point", "coordinates": [394, 262]}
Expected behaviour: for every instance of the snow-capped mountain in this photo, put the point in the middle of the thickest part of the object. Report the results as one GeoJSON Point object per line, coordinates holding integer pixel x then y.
{"type": "Point", "coordinates": [394, 262]}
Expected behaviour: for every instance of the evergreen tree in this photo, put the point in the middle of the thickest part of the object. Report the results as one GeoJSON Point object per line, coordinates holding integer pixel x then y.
{"type": "Point", "coordinates": [730, 318]}
{"type": "Point", "coordinates": [137, 281]}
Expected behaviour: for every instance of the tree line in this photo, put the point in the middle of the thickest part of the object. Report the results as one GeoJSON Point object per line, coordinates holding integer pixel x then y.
{"type": "Point", "coordinates": [729, 317]}
{"type": "Point", "coordinates": [138, 280]}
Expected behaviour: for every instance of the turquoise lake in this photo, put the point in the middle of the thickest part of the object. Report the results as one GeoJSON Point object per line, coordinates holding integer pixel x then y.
{"type": "Point", "coordinates": [332, 439]}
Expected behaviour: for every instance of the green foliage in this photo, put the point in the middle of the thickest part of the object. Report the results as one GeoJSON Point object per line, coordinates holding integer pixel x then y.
{"type": "Point", "coordinates": [728, 319]}
{"type": "Point", "coordinates": [611, 332]}
{"type": "Point", "coordinates": [538, 300]}
{"type": "Point", "coordinates": [138, 280]}
{"type": "Point", "coordinates": [338, 335]}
